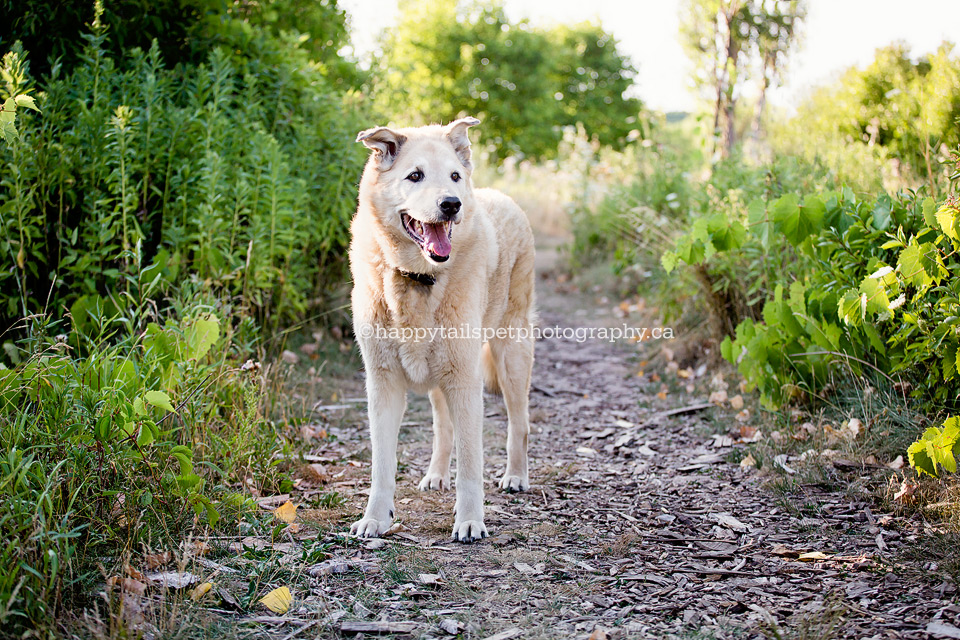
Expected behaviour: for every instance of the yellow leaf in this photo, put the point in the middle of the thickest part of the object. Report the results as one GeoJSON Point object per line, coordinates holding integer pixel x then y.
{"type": "Point", "coordinates": [286, 512]}
{"type": "Point", "coordinates": [277, 600]}
{"type": "Point", "coordinates": [812, 556]}
{"type": "Point", "coordinates": [662, 395]}
{"type": "Point", "coordinates": [200, 591]}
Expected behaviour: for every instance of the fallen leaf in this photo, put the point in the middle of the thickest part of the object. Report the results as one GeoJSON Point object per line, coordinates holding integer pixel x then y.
{"type": "Point", "coordinates": [289, 357]}
{"type": "Point", "coordinates": [748, 461]}
{"type": "Point", "coordinates": [598, 634]}
{"type": "Point", "coordinates": [286, 512]}
{"type": "Point", "coordinates": [685, 373]}
{"type": "Point", "coordinates": [717, 397]}
{"type": "Point", "coordinates": [278, 600]}
{"type": "Point", "coordinates": [127, 585]}
{"type": "Point", "coordinates": [428, 578]}
{"type": "Point", "coordinates": [155, 560]}
{"type": "Point", "coordinates": [200, 590]}
{"type": "Point", "coordinates": [451, 626]}
{"type": "Point", "coordinates": [747, 432]}
{"type": "Point", "coordinates": [785, 551]}
{"type": "Point", "coordinates": [906, 494]}
{"type": "Point", "coordinates": [586, 452]}
{"type": "Point", "coordinates": [896, 463]}
{"type": "Point", "coordinates": [813, 556]}
{"type": "Point", "coordinates": [173, 579]}
{"type": "Point", "coordinates": [662, 395]}
{"type": "Point", "coordinates": [736, 402]}
{"type": "Point", "coordinates": [728, 521]}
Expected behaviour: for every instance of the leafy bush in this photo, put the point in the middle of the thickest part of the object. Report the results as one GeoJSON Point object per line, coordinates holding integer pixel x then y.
{"type": "Point", "coordinates": [120, 429]}
{"type": "Point", "coordinates": [240, 172]}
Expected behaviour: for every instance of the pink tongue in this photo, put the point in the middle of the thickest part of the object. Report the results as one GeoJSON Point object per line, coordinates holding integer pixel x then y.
{"type": "Point", "coordinates": [436, 241]}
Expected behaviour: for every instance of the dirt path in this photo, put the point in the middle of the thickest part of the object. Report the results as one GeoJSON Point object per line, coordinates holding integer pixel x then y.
{"type": "Point", "coordinates": [638, 523]}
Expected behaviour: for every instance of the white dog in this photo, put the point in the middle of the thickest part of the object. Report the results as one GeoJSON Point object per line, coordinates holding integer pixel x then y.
{"type": "Point", "coordinates": [438, 268]}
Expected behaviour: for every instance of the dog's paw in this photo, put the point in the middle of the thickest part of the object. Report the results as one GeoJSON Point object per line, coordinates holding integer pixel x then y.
{"type": "Point", "coordinates": [369, 528]}
{"type": "Point", "coordinates": [434, 482]}
{"type": "Point", "coordinates": [512, 484]}
{"type": "Point", "coordinates": [469, 530]}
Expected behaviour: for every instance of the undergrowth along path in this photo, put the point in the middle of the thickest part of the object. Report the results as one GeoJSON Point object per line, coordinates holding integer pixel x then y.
{"type": "Point", "coordinates": [639, 522]}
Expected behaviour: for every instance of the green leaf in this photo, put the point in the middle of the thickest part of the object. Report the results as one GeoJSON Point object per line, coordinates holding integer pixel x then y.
{"type": "Point", "coordinates": [794, 221]}
{"type": "Point", "coordinates": [669, 261]}
{"type": "Point", "coordinates": [726, 350]}
{"type": "Point", "coordinates": [881, 212]}
{"type": "Point", "coordinates": [929, 212]}
{"type": "Point", "coordinates": [138, 407]}
{"type": "Point", "coordinates": [26, 101]}
{"type": "Point", "coordinates": [947, 218]}
{"type": "Point", "coordinates": [159, 399]}
{"type": "Point", "coordinates": [201, 335]}
{"type": "Point", "coordinates": [911, 268]}
{"type": "Point", "coordinates": [920, 456]}
{"type": "Point", "coordinates": [851, 308]}
{"type": "Point", "coordinates": [877, 300]}
{"type": "Point", "coordinates": [146, 437]}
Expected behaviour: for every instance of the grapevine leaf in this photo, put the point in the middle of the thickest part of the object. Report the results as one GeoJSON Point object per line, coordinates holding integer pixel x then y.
{"type": "Point", "coordinates": [849, 311]}
{"type": "Point", "coordinates": [669, 261]}
{"type": "Point", "coordinates": [920, 456]}
{"type": "Point", "coordinates": [947, 218]}
{"type": "Point", "coordinates": [146, 436]}
{"type": "Point", "coordinates": [876, 295]}
{"type": "Point", "coordinates": [929, 212]}
{"type": "Point", "coordinates": [26, 101]}
{"type": "Point", "coordinates": [911, 267]}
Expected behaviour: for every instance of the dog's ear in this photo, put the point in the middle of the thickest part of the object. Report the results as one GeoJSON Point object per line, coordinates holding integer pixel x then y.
{"type": "Point", "coordinates": [456, 133]}
{"type": "Point", "coordinates": [385, 143]}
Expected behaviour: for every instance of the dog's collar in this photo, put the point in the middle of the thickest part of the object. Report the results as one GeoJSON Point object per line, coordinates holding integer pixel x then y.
{"type": "Point", "coordinates": [421, 278]}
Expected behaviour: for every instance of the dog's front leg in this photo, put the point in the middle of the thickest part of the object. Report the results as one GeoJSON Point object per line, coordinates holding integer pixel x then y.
{"type": "Point", "coordinates": [386, 402]}
{"type": "Point", "coordinates": [466, 411]}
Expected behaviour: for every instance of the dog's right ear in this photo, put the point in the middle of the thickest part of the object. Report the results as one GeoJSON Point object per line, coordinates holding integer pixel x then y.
{"type": "Point", "coordinates": [384, 142]}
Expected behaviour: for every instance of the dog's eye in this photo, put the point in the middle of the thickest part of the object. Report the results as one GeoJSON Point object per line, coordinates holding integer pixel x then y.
{"type": "Point", "coordinates": [455, 176]}
{"type": "Point", "coordinates": [416, 176]}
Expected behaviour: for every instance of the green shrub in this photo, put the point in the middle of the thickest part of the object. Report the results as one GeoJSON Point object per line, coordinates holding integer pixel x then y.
{"type": "Point", "coordinates": [240, 172]}
{"type": "Point", "coordinates": [123, 428]}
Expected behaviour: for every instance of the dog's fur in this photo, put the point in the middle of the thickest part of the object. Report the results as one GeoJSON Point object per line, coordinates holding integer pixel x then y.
{"type": "Point", "coordinates": [486, 280]}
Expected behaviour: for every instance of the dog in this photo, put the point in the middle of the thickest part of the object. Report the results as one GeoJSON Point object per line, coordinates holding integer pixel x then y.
{"type": "Point", "coordinates": [443, 304]}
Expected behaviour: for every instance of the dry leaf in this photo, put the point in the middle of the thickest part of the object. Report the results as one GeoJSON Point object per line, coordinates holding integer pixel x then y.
{"type": "Point", "coordinates": [906, 494]}
{"type": "Point", "coordinates": [278, 600]}
{"type": "Point", "coordinates": [316, 473]}
{"type": "Point", "coordinates": [717, 397]}
{"type": "Point", "coordinates": [127, 585]}
{"type": "Point", "coordinates": [200, 590]}
{"type": "Point", "coordinates": [156, 560]}
{"type": "Point", "coordinates": [662, 395]}
{"type": "Point", "coordinates": [896, 463]}
{"type": "Point", "coordinates": [749, 461]}
{"type": "Point", "coordinates": [289, 357]}
{"type": "Point", "coordinates": [736, 402]}
{"type": "Point", "coordinates": [747, 432]}
{"type": "Point", "coordinates": [173, 579]}
{"type": "Point", "coordinates": [728, 521]}
{"type": "Point", "coordinates": [286, 512]}
{"type": "Point", "coordinates": [598, 634]}
{"type": "Point", "coordinates": [813, 556]}
{"type": "Point", "coordinates": [743, 416]}
{"type": "Point", "coordinates": [685, 373]}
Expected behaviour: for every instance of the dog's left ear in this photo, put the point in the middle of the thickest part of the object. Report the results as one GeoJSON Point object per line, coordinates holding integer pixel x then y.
{"type": "Point", "coordinates": [456, 133]}
{"type": "Point", "coordinates": [384, 142]}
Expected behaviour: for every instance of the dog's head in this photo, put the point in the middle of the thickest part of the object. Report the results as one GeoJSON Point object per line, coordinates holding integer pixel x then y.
{"type": "Point", "coordinates": [418, 181]}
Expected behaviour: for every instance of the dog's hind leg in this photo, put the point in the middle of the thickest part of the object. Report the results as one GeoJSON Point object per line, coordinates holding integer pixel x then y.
{"type": "Point", "coordinates": [438, 475]}
{"type": "Point", "coordinates": [513, 371]}
{"type": "Point", "coordinates": [386, 402]}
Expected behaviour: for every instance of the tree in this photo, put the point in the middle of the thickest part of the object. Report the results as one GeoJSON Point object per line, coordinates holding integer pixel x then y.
{"type": "Point", "coordinates": [731, 41]}
{"type": "Point", "coordinates": [443, 61]}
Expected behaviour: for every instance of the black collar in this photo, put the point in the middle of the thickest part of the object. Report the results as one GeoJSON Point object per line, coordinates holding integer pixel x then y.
{"type": "Point", "coordinates": [422, 278]}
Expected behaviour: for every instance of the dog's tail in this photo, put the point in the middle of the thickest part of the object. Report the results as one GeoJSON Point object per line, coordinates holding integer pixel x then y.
{"type": "Point", "coordinates": [490, 379]}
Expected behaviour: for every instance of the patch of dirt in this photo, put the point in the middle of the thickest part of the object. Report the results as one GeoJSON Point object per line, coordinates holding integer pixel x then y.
{"type": "Point", "coordinates": [640, 523]}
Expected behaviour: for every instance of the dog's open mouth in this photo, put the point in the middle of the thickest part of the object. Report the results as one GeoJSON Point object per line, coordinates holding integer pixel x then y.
{"type": "Point", "coordinates": [433, 239]}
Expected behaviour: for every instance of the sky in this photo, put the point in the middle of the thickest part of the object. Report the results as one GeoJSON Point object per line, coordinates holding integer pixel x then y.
{"type": "Point", "coordinates": [837, 34]}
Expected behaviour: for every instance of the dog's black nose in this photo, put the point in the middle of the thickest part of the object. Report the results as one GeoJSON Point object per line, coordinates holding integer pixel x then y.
{"type": "Point", "coordinates": [449, 206]}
